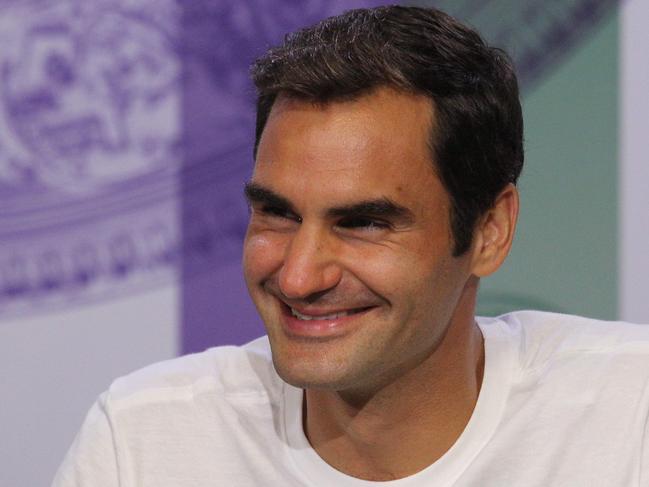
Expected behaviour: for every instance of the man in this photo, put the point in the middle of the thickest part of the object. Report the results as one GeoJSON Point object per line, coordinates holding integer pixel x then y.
{"type": "Point", "coordinates": [388, 145]}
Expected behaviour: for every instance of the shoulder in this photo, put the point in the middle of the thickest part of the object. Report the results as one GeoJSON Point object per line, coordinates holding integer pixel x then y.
{"type": "Point", "coordinates": [182, 419]}
{"type": "Point", "coordinates": [225, 371]}
{"type": "Point", "coordinates": [542, 336]}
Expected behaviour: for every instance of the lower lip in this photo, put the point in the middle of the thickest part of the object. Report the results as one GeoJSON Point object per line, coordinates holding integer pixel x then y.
{"type": "Point", "coordinates": [328, 328]}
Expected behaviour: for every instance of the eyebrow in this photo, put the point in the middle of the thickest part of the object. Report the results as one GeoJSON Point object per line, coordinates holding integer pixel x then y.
{"type": "Point", "coordinates": [256, 193]}
{"type": "Point", "coordinates": [380, 207]}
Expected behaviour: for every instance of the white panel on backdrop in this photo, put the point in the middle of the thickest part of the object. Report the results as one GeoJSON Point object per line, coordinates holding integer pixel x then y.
{"type": "Point", "coordinates": [54, 365]}
{"type": "Point", "coordinates": [634, 162]}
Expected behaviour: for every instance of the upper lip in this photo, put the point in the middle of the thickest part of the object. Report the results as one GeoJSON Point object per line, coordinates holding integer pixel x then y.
{"type": "Point", "coordinates": [311, 311]}
{"type": "Point", "coordinates": [321, 312]}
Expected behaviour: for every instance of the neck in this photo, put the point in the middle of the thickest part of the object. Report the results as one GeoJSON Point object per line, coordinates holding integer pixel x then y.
{"type": "Point", "coordinates": [422, 412]}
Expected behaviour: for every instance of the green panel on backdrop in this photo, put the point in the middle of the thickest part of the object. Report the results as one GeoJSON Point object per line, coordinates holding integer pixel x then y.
{"type": "Point", "coordinates": [564, 256]}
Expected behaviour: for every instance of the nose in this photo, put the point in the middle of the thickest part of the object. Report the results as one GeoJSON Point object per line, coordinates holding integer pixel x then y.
{"type": "Point", "coordinates": [310, 265]}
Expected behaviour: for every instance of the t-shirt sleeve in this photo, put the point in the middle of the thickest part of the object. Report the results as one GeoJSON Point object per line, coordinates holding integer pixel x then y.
{"type": "Point", "coordinates": [92, 460]}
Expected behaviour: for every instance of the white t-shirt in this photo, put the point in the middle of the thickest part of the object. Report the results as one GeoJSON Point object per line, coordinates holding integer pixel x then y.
{"type": "Point", "coordinates": [564, 403]}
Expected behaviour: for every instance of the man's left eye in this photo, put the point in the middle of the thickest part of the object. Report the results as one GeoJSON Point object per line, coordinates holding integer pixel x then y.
{"type": "Point", "coordinates": [363, 223]}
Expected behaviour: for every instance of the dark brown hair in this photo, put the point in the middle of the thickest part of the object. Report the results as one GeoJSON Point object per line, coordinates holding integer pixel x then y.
{"type": "Point", "coordinates": [477, 143]}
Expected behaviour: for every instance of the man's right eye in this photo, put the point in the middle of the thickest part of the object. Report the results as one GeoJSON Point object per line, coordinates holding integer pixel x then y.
{"type": "Point", "coordinates": [279, 212]}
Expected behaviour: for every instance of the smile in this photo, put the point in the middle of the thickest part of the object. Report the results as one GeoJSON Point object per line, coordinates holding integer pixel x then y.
{"type": "Point", "coordinates": [331, 316]}
{"type": "Point", "coordinates": [321, 324]}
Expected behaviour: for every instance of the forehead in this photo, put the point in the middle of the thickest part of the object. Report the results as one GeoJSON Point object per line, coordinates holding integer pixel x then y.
{"type": "Point", "coordinates": [373, 146]}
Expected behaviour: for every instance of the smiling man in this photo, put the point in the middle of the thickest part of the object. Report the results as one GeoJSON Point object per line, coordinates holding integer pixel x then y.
{"type": "Point", "coordinates": [388, 146]}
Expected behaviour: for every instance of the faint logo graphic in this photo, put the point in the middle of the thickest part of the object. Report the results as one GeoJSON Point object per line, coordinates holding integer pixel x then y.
{"type": "Point", "coordinates": [89, 147]}
{"type": "Point", "coordinates": [89, 95]}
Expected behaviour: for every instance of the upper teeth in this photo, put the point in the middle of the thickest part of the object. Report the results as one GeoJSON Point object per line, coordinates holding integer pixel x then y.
{"type": "Point", "coordinates": [332, 316]}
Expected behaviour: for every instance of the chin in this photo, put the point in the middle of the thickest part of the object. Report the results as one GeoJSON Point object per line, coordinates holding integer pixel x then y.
{"type": "Point", "coordinates": [311, 372]}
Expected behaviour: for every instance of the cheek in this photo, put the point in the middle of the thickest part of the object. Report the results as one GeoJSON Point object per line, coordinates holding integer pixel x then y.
{"type": "Point", "coordinates": [388, 271]}
{"type": "Point", "coordinates": [417, 282]}
{"type": "Point", "coordinates": [397, 266]}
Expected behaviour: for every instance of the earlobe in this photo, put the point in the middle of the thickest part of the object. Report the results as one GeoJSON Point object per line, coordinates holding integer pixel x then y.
{"type": "Point", "coordinates": [495, 233]}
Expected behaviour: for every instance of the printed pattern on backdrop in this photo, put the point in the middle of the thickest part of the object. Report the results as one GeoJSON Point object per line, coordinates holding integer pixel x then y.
{"type": "Point", "coordinates": [89, 149]}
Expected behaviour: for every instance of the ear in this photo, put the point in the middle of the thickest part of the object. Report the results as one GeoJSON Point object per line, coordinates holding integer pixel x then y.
{"type": "Point", "coordinates": [495, 232]}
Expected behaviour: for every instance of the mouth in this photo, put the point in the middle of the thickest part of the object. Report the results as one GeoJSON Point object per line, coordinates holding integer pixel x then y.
{"type": "Point", "coordinates": [330, 316]}
{"type": "Point", "coordinates": [321, 323]}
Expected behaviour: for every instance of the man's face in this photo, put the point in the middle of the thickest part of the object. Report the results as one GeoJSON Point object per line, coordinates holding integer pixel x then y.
{"type": "Point", "coordinates": [348, 254]}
